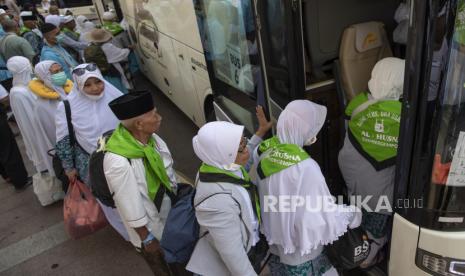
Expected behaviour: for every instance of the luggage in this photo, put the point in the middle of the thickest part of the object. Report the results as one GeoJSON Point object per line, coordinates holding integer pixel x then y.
{"type": "Point", "coordinates": [82, 213]}
{"type": "Point", "coordinates": [47, 188]}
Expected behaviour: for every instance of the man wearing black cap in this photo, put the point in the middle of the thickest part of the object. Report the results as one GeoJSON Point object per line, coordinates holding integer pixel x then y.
{"type": "Point", "coordinates": [30, 32]}
{"type": "Point", "coordinates": [53, 51]}
{"type": "Point", "coordinates": [139, 170]}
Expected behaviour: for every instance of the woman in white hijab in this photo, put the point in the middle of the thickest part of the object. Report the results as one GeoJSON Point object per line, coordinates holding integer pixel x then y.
{"type": "Point", "coordinates": [80, 20]}
{"type": "Point", "coordinates": [50, 87]}
{"type": "Point", "coordinates": [367, 159]}
{"type": "Point", "coordinates": [86, 28]}
{"type": "Point", "coordinates": [22, 102]}
{"type": "Point", "coordinates": [91, 118]}
{"type": "Point", "coordinates": [226, 201]}
{"type": "Point", "coordinates": [298, 234]}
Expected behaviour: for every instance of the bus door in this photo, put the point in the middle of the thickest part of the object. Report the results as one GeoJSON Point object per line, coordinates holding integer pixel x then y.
{"type": "Point", "coordinates": [428, 235]}
{"type": "Point", "coordinates": [287, 69]}
{"type": "Point", "coordinates": [231, 47]}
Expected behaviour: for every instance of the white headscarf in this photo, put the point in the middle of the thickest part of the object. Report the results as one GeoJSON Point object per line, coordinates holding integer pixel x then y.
{"type": "Point", "coordinates": [53, 19]}
{"type": "Point", "coordinates": [300, 121]}
{"type": "Point", "coordinates": [87, 27]}
{"type": "Point", "coordinates": [42, 71]}
{"type": "Point", "coordinates": [217, 143]}
{"type": "Point", "coordinates": [80, 20]}
{"type": "Point", "coordinates": [21, 69]}
{"type": "Point", "coordinates": [91, 118]}
{"type": "Point", "coordinates": [108, 15]}
{"type": "Point", "coordinates": [301, 231]}
{"type": "Point", "coordinates": [387, 79]}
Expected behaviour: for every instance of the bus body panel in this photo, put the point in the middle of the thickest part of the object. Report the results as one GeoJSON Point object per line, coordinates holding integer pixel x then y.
{"type": "Point", "coordinates": [403, 248]}
{"type": "Point", "coordinates": [170, 51]}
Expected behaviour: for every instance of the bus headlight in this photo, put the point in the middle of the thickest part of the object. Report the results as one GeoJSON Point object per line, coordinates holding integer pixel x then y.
{"type": "Point", "coordinates": [438, 265]}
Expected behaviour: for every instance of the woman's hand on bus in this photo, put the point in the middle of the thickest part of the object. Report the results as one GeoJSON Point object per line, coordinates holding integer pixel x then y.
{"type": "Point", "coordinates": [263, 124]}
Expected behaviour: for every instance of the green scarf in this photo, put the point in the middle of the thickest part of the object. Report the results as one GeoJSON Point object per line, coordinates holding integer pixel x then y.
{"type": "Point", "coordinates": [123, 143]}
{"type": "Point", "coordinates": [279, 157]}
{"type": "Point", "coordinates": [113, 27]}
{"type": "Point", "coordinates": [209, 173]}
{"type": "Point", "coordinates": [24, 30]}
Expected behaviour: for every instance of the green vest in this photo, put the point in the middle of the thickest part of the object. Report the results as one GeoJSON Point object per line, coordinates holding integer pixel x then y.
{"type": "Point", "coordinates": [210, 174]}
{"type": "Point", "coordinates": [374, 130]}
{"type": "Point", "coordinates": [113, 27]}
{"type": "Point", "coordinates": [278, 156]}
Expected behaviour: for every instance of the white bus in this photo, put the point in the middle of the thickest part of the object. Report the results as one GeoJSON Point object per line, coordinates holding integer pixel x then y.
{"type": "Point", "coordinates": [170, 51]}
{"type": "Point", "coordinates": [230, 55]}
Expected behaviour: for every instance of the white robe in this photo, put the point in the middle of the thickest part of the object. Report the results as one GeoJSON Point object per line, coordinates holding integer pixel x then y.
{"type": "Point", "coordinates": [35, 138]}
{"type": "Point", "coordinates": [128, 183]}
{"type": "Point", "coordinates": [115, 55]}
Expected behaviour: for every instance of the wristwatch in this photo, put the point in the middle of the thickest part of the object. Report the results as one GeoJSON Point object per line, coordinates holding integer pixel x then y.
{"type": "Point", "coordinates": [149, 239]}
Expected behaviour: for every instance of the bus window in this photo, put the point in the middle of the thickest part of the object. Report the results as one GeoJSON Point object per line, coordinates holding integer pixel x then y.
{"type": "Point", "coordinates": [227, 31]}
{"type": "Point", "coordinates": [76, 3]}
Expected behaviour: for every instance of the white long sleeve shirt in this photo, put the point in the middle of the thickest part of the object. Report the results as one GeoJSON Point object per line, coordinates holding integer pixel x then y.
{"type": "Point", "coordinates": [127, 182]}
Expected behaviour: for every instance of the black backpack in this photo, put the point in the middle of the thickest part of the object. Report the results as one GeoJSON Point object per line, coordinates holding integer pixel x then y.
{"type": "Point", "coordinates": [350, 250]}
{"type": "Point", "coordinates": [98, 182]}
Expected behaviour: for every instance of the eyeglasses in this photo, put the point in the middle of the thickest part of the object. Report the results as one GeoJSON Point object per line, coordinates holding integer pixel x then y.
{"type": "Point", "coordinates": [81, 71]}
{"type": "Point", "coordinates": [243, 144]}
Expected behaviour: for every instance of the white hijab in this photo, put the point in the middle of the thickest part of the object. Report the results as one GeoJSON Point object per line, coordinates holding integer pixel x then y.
{"type": "Point", "coordinates": [300, 121]}
{"type": "Point", "coordinates": [87, 27]}
{"type": "Point", "coordinates": [217, 143]}
{"type": "Point", "coordinates": [302, 231]}
{"type": "Point", "coordinates": [387, 79]}
{"type": "Point", "coordinates": [80, 20]}
{"type": "Point", "coordinates": [90, 118]}
{"type": "Point", "coordinates": [42, 71]}
{"type": "Point", "coordinates": [21, 69]}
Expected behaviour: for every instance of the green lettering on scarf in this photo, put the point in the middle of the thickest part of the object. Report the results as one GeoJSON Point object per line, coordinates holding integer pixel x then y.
{"type": "Point", "coordinates": [113, 27]}
{"type": "Point", "coordinates": [278, 156]}
{"type": "Point", "coordinates": [123, 143]}
{"type": "Point", "coordinates": [209, 173]}
{"type": "Point", "coordinates": [374, 132]}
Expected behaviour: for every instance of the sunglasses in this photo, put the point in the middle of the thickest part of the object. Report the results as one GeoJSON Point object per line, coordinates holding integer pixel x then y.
{"type": "Point", "coordinates": [243, 144]}
{"type": "Point", "coordinates": [81, 71]}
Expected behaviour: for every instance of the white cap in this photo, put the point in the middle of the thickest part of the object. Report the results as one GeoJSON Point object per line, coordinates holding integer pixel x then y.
{"type": "Point", "coordinates": [109, 15]}
{"type": "Point", "coordinates": [67, 19]}
{"type": "Point", "coordinates": [53, 19]}
{"type": "Point", "coordinates": [2, 11]}
{"type": "Point", "coordinates": [25, 13]}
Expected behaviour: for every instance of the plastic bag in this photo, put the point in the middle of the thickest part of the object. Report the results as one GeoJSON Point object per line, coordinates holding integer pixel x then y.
{"type": "Point", "coordinates": [82, 213]}
{"type": "Point", "coordinates": [47, 188]}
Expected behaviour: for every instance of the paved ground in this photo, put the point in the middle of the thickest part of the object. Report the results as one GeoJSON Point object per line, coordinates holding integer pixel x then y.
{"type": "Point", "coordinates": [32, 237]}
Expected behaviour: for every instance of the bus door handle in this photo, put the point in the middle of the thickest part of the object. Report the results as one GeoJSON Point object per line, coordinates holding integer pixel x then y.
{"type": "Point", "coordinates": [181, 56]}
{"type": "Point", "coordinates": [194, 68]}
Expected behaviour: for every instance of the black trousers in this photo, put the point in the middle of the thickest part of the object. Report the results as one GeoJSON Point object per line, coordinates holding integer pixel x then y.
{"type": "Point", "coordinates": [11, 162]}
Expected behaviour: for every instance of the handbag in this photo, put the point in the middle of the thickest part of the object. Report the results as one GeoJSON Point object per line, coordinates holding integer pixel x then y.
{"type": "Point", "coordinates": [47, 188]}
{"type": "Point", "coordinates": [56, 161]}
{"type": "Point", "coordinates": [82, 213]}
{"type": "Point", "coordinates": [350, 250]}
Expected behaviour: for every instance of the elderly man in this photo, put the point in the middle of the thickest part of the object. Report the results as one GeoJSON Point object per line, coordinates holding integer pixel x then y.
{"type": "Point", "coordinates": [53, 51]}
{"type": "Point", "coordinates": [12, 44]}
{"type": "Point", "coordinates": [139, 170]}
{"type": "Point", "coordinates": [70, 42]}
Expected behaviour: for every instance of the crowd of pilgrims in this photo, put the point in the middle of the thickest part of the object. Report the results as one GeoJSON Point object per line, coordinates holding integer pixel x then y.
{"type": "Point", "coordinates": [53, 60]}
